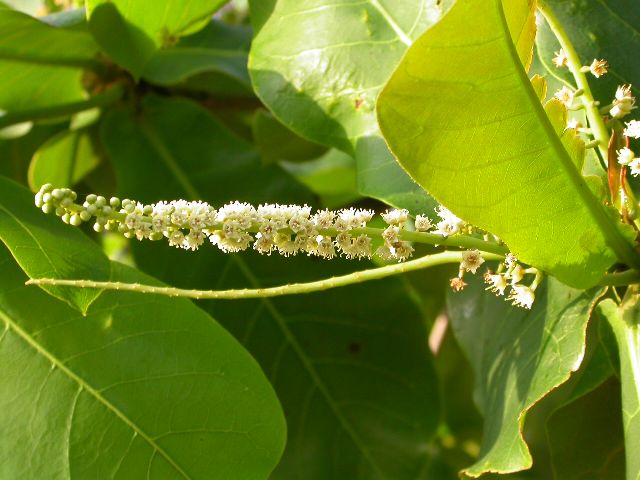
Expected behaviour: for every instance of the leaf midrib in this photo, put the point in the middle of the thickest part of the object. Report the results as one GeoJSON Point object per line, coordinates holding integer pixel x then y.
{"type": "Point", "coordinates": [13, 324]}
{"type": "Point", "coordinates": [185, 182]}
{"type": "Point", "coordinates": [624, 251]}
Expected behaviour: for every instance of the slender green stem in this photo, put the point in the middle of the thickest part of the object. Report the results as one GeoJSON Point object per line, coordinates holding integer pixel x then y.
{"type": "Point", "coordinates": [63, 61]}
{"type": "Point", "coordinates": [620, 279]}
{"type": "Point", "coordinates": [600, 132]}
{"type": "Point", "coordinates": [64, 110]}
{"type": "Point", "coordinates": [291, 289]}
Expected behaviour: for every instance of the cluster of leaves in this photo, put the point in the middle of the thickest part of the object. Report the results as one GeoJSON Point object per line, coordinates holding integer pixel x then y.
{"type": "Point", "coordinates": [287, 101]}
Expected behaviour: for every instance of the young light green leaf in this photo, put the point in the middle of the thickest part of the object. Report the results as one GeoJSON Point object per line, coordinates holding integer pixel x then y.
{"type": "Point", "coordinates": [45, 247]}
{"type": "Point", "coordinates": [64, 160]}
{"type": "Point", "coordinates": [139, 388]}
{"type": "Point", "coordinates": [351, 367]}
{"type": "Point", "coordinates": [321, 77]}
{"type": "Point", "coordinates": [162, 22]}
{"type": "Point", "coordinates": [518, 356]}
{"type": "Point", "coordinates": [475, 136]}
{"type": "Point", "coordinates": [624, 321]}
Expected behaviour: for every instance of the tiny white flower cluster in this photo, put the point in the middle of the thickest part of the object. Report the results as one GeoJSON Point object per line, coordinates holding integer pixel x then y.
{"type": "Point", "coordinates": [623, 102]}
{"type": "Point", "coordinates": [565, 95]}
{"type": "Point", "coordinates": [471, 261]}
{"type": "Point", "coordinates": [236, 226]}
{"type": "Point", "coordinates": [520, 295]}
{"type": "Point", "coordinates": [627, 158]}
{"type": "Point", "coordinates": [633, 129]}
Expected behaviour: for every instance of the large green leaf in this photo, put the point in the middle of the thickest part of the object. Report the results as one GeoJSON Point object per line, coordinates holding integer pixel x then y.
{"type": "Point", "coordinates": [163, 21]}
{"type": "Point", "coordinates": [518, 357]}
{"type": "Point", "coordinates": [319, 66]}
{"type": "Point", "coordinates": [351, 367]}
{"type": "Point", "coordinates": [475, 135]}
{"type": "Point", "coordinates": [625, 322]}
{"type": "Point", "coordinates": [64, 160]}
{"type": "Point", "coordinates": [216, 53]}
{"type": "Point", "coordinates": [40, 63]}
{"type": "Point", "coordinates": [586, 436]}
{"type": "Point", "coordinates": [597, 29]}
{"type": "Point", "coordinates": [45, 247]}
{"type": "Point", "coordinates": [138, 388]}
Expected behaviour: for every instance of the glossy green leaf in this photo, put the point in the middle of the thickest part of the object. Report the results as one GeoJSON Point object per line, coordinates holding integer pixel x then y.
{"type": "Point", "coordinates": [518, 357]}
{"type": "Point", "coordinates": [586, 436]}
{"type": "Point", "coordinates": [596, 29]}
{"type": "Point", "coordinates": [218, 50]}
{"type": "Point", "coordinates": [624, 321]}
{"type": "Point", "coordinates": [162, 22]}
{"type": "Point", "coordinates": [126, 44]}
{"type": "Point", "coordinates": [475, 136]}
{"type": "Point", "coordinates": [140, 387]}
{"type": "Point", "coordinates": [319, 66]}
{"type": "Point", "coordinates": [351, 366]}
{"type": "Point", "coordinates": [64, 160]}
{"type": "Point", "coordinates": [40, 63]}
{"type": "Point", "coordinates": [46, 248]}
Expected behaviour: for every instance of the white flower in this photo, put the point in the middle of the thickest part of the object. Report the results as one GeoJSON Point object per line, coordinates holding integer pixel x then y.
{"type": "Point", "coordinates": [516, 274]}
{"type": "Point", "coordinates": [623, 102]}
{"type": "Point", "coordinates": [598, 67]}
{"type": "Point", "coordinates": [176, 238]}
{"type": "Point", "coordinates": [395, 216]}
{"type": "Point", "coordinates": [496, 283]}
{"type": "Point", "coordinates": [361, 246]}
{"type": "Point", "coordinates": [385, 253]}
{"type": "Point", "coordinates": [193, 240]}
{"type": "Point", "coordinates": [625, 156]}
{"type": "Point", "coordinates": [401, 250]}
{"type": "Point", "coordinates": [565, 95]}
{"type": "Point", "coordinates": [391, 234]}
{"type": "Point", "coordinates": [560, 58]}
{"type": "Point", "coordinates": [349, 218]}
{"type": "Point", "coordinates": [325, 248]}
{"type": "Point", "coordinates": [522, 296]}
{"type": "Point", "coordinates": [423, 224]}
{"type": "Point", "coordinates": [449, 224]}
{"type": "Point", "coordinates": [633, 129]}
{"type": "Point", "coordinates": [635, 167]}
{"type": "Point", "coordinates": [457, 284]}
{"type": "Point", "coordinates": [471, 260]}
{"type": "Point", "coordinates": [323, 219]}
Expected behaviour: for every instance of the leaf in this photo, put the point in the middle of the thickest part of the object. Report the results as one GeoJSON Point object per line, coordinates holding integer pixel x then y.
{"type": "Point", "coordinates": [142, 387]}
{"type": "Point", "coordinates": [518, 357]}
{"type": "Point", "coordinates": [324, 85]}
{"type": "Point", "coordinates": [46, 248]}
{"type": "Point", "coordinates": [624, 322]}
{"type": "Point", "coordinates": [591, 449]}
{"type": "Point", "coordinates": [476, 137]}
{"type": "Point", "coordinates": [158, 141]}
{"type": "Point", "coordinates": [332, 177]}
{"type": "Point", "coordinates": [217, 51]}
{"type": "Point", "coordinates": [126, 44]}
{"type": "Point", "coordinates": [16, 153]}
{"type": "Point", "coordinates": [597, 30]}
{"type": "Point", "coordinates": [351, 367]}
{"type": "Point", "coordinates": [64, 160]}
{"type": "Point", "coordinates": [40, 64]}
{"type": "Point", "coordinates": [276, 142]}
{"type": "Point", "coordinates": [162, 22]}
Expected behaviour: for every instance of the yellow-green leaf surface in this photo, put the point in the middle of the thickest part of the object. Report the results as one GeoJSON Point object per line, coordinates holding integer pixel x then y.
{"type": "Point", "coordinates": [319, 65]}
{"type": "Point", "coordinates": [518, 357]}
{"type": "Point", "coordinates": [462, 118]}
{"type": "Point", "coordinates": [162, 21]}
{"type": "Point", "coordinates": [625, 322]}
{"type": "Point", "coordinates": [139, 388]}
